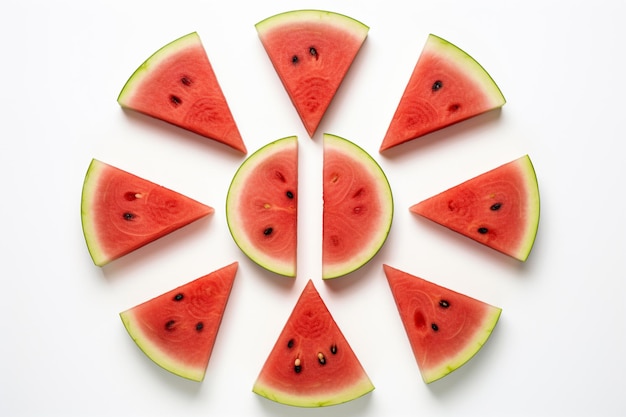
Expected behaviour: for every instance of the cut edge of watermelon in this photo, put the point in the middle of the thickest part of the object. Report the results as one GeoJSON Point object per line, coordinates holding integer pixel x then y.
{"type": "Point", "coordinates": [377, 242]}
{"type": "Point", "coordinates": [439, 46]}
{"type": "Point", "coordinates": [287, 269]}
{"type": "Point", "coordinates": [190, 40]}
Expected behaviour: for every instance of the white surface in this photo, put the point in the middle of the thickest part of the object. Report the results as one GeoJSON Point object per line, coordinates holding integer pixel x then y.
{"type": "Point", "coordinates": [559, 347]}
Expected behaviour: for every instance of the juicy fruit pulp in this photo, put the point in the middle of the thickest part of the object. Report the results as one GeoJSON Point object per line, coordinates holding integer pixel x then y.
{"type": "Point", "coordinates": [446, 86]}
{"type": "Point", "coordinates": [311, 51]}
{"type": "Point", "coordinates": [177, 329]}
{"type": "Point", "coordinates": [499, 208]}
{"type": "Point", "coordinates": [358, 207]}
{"type": "Point", "coordinates": [121, 212]}
{"type": "Point", "coordinates": [312, 364]}
{"type": "Point", "coordinates": [177, 84]}
{"type": "Point", "coordinates": [445, 328]}
{"type": "Point", "coordinates": [262, 206]}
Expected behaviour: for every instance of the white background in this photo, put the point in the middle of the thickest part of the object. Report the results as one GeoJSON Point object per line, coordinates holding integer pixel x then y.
{"type": "Point", "coordinates": [559, 346]}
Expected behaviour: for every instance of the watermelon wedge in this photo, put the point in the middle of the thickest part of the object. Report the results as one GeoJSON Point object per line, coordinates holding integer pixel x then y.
{"type": "Point", "coordinates": [262, 206]}
{"type": "Point", "coordinates": [445, 328]}
{"type": "Point", "coordinates": [358, 207]}
{"type": "Point", "coordinates": [121, 212]}
{"type": "Point", "coordinates": [447, 86]}
{"type": "Point", "coordinates": [177, 329]}
{"type": "Point", "coordinates": [177, 85]}
{"type": "Point", "coordinates": [311, 51]}
{"type": "Point", "coordinates": [499, 208]}
{"type": "Point", "coordinates": [312, 364]}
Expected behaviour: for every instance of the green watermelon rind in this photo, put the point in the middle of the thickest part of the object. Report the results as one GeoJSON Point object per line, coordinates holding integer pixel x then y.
{"type": "Point", "coordinates": [452, 53]}
{"type": "Point", "coordinates": [533, 208]}
{"type": "Point", "coordinates": [153, 61]}
{"type": "Point", "coordinates": [239, 179]}
{"type": "Point", "coordinates": [382, 184]}
{"type": "Point", "coordinates": [90, 185]}
{"type": "Point", "coordinates": [306, 15]}
{"type": "Point", "coordinates": [152, 351]}
{"type": "Point", "coordinates": [473, 347]}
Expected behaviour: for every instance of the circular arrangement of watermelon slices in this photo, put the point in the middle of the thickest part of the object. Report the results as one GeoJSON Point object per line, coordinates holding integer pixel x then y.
{"type": "Point", "coordinates": [312, 363]}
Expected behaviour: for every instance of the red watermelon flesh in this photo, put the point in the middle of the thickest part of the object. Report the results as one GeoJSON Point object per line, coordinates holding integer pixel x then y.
{"type": "Point", "coordinates": [445, 328]}
{"type": "Point", "coordinates": [177, 84]}
{"type": "Point", "coordinates": [499, 208]}
{"type": "Point", "coordinates": [312, 364]}
{"type": "Point", "coordinates": [122, 212]}
{"type": "Point", "coordinates": [262, 206]}
{"type": "Point", "coordinates": [447, 86]}
{"type": "Point", "coordinates": [311, 51]}
{"type": "Point", "coordinates": [358, 207]}
{"type": "Point", "coordinates": [177, 329]}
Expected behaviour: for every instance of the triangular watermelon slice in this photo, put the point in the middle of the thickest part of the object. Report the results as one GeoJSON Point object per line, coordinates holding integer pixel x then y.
{"type": "Point", "coordinates": [312, 364]}
{"type": "Point", "coordinates": [177, 329]}
{"type": "Point", "coordinates": [445, 328]}
{"type": "Point", "coordinates": [177, 85]}
{"type": "Point", "coordinates": [311, 51]}
{"type": "Point", "coordinates": [499, 208]}
{"type": "Point", "coordinates": [121, 212]}
{"type": "Point", "coordinates": [446, 86]}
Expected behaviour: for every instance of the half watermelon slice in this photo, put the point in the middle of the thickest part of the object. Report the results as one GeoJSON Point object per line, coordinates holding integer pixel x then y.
{"type": "Point", "coordinates": [177, 329]}
{"type": "Point", "coordinates": [358, 207]}
{"type": "Point", "coordinates": [311, 51]}
{"type": "Point", "coordinates": [445, 328]}
{"type": "Point", "coordinates": [177, 84]}
{"type": "Point", "coordinates": [262, 206]}
{"type": "Point", "coordinates": [312, 364]}
{"type": "Point", "coordinates": [447, 86]}
{"type": "Point", "coordinates": [121, 212]}
{"type": "Point", "coordinates": [499, 208]}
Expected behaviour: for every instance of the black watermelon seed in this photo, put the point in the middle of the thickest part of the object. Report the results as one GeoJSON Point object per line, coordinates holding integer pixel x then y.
{"type": "Point", "coordinates": [186, 81]}
{"type": "Point", "coordinates": [128, 216]}
{"type": "Point", "coordinates": [434, 327]}
{"type": "Point", "coordinates": [170, 325]}
{"type": "Point", "coordinates": [294, 59]}
{"type": "Point", "coordinates": [297, 367]}
{"type": "Point", "coordinates": [175, 100]}
{"type": "Point", "coordinates": [268, 231]}
{"type": "Point", "coordinates": [437, 85]}
{"type": "Point", "coordinates": [482, 230]}
{"type": "Point", "coordinates": [321, 358]}
{"type": "Point", "coordinates": [178, 296]}
{"type": "Point", "coordinates": [333, 349]}
{"type": "Point", "coordinates": [313, 51]}
{"type": "Point", "coordinates": [289, 194]}
{"type": "Point", "coordinates": [290, 343]}
{"type": "Point", "coordinates": [496, 206]}
{"type": "Point", "coordinates": [199, 326]}
{"type": "Point", "coordinates": [444, 303]}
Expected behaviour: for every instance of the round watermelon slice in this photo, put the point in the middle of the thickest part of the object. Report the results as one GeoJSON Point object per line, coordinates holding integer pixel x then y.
{"type": "Point", "coordinates": [311, 51]}
{"type": "Point", "coordinates": [177, 84]}
{"type": "Point", "coordinates": [447, 86]}
{"type": "Point", "coordinates": [445, 328]}
{"type": "Point", "coordinates": [177, 329]}
{"type": "Point", "coordinates": [312, 364]}
{"type": "Point", "coordinates": [499, 208]}
{"type": "Point", "coordinates": [358, 207]}
{"type": "Point", "coordinates": [121, 212]}
{"type": "Point", "coordinates": [262, 206]}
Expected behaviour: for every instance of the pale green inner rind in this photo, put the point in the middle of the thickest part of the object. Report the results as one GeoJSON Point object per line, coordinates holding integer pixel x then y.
{"type": "Point", "coordinates": [153, 61]}
{"type": "Point", "coordinates": [532, 208]}
{"type": "Point", "coordinates": [384, 190]}
{"type": "Point", "coordinates": [308, 15]}
{"type": "Point", "coordinates": [359, 389]}
{"type": "Point", "coordinates": [473, 346]}
{"type": "Point", "coordinates": [232, 203]}
{"type": "Point", "coordinates": [90, 186]}
{"type": "Point", "coordinates": [471, 67]}
{"type": "Point", "coordinates": [156, 354]}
